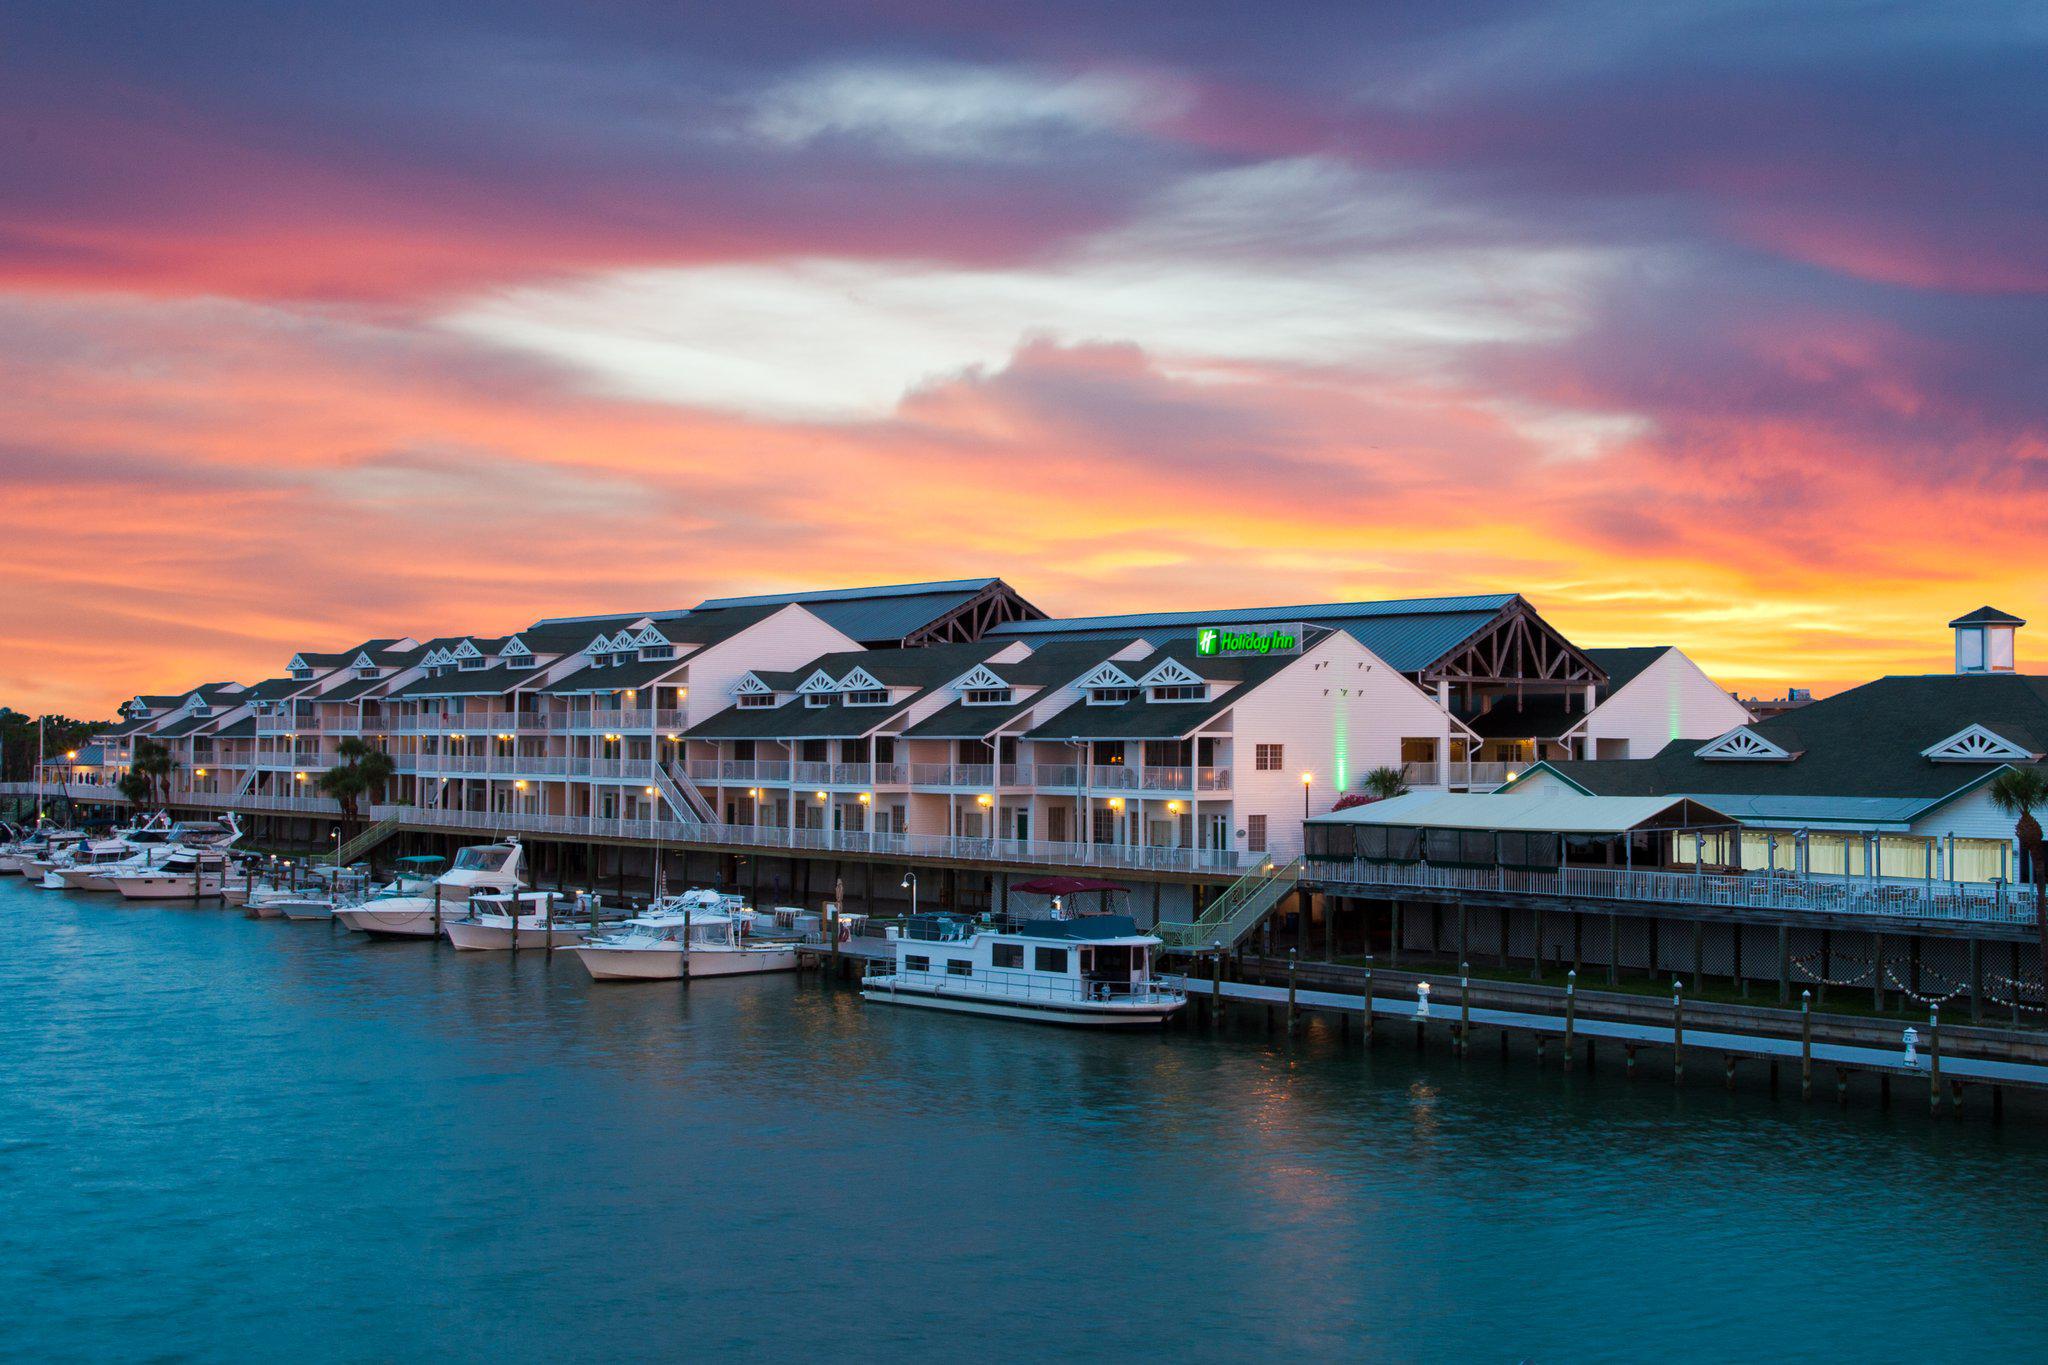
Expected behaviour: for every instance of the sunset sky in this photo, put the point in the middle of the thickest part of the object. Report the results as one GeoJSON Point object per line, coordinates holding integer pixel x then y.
{"type": "Point", "coordinates": [1723, 326]}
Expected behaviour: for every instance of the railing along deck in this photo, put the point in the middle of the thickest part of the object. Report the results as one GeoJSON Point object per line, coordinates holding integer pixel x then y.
{"type": "Point", "coordinates": [1811, 893]}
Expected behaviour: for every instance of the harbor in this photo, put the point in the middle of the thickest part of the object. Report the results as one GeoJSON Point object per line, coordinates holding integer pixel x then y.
{"type": "Point", "coordinates": [229, 1110]}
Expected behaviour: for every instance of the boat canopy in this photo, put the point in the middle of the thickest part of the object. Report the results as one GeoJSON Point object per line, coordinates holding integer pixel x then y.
{"type": "Point", "coordinates": [1065, 886]}
{"type": "Point", "coordinates": [1088, 928]}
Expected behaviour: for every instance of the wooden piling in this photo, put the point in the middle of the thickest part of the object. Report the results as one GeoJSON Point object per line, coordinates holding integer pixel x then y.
{"type": "Point", "coordinates": [1629, 1051]}
{"type": "Point", "coordinates": [1293, 1014]}
{"type": "Point", "coordinates": [1368, 999]}
{"type": "Point", "coordinates": [1216, 985]}
{"type": "Point", "coordinates": [1806, 1045]}
{"type": "Point", "coordinates": [1934, 1060]}
{"type": "Point", "coordinates": [1728, 1069]}
{"type": "Point", "coordinates": [1841, 1087]}
{"type": "Point", "coordinates": [1464, 1009]}
{"type": "Point", "coordinates": [1571, 1013]}
{"type": "Point", "coordinates": [1677, 1033]}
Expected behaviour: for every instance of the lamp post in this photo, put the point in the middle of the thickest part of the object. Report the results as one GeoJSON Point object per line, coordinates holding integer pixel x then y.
{"type": "Point", "coordinates": [1308, 781]}
{"type": "Point", "coordinates": [910, 885]}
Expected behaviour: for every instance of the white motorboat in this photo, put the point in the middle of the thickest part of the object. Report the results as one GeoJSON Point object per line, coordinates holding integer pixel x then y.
{"type": "Point", "coordinates": [91, 863]}
{"type": "Point", "coordinates": [34, 855]}
{"type": "Point", "coordinates": [399, 912]}
{"type": "Point", "coordinates": [183, 874]}
{"type": "Point", "coordinates": [701, 933]}
{"type": "Point", "coordinates": [1095, 971]}
{"type": "Point", "coordinates": [491, 925]}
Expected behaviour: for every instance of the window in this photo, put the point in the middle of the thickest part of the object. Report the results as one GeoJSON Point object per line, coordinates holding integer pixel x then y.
{"type": "Point", "coordinates": [1255, 833]}
{"type": "Point", "coordinates": [1006, 955]}
{"type": "Point", "coordinates": [868, 696]}
{"type": "Point", "coordinates": [815, 699]}
{"type": "Point", "coordinates": [756, 701]}
{"type": "Point", "coordinates": [913, 963]}
{"type": "Point", "coordinates": [302, 673]}
{"type": "Point", "coordinates": [658, 652]}
{"type": "Point", "coordinates": [1269, 758]}
{"type": "Point", "coordinates": [1051, 960]}
{"type": "Point", "coordinates": [1111, 696]}
{"type": "Point", "coordinates": [367, 672]}
{"type": "Point", "coordinates": [519, 661]}
{"type": "Point", "coordinates": [959, 966]}
{"type": "Point", "coordinates": [986, 696]}
{"type": "Point", "coordinates": [471, 665]}
{"type": "Point", "coordinates": [1180, 692]}
{"type": "Point", "coordinates": [885, 748]}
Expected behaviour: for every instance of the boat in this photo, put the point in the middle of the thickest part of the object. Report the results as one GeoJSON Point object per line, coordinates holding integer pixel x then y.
{"type": "Point", "coordinates": [501, 921]}
{"type": "Point", "coordinates": [408, 909]}
{"type": "Point", "coordinates": [701, 933]}
{"type": "Point", "coordinates": [183, 874]}
{"type": "Point", "coordinates": [39, 845]}
{"type": "Point", "coordinates": [1093, 971]}
{"type": "Point", "coordinates": [92, 862]}
{"type": "Point", "coordinates": [150, 845]}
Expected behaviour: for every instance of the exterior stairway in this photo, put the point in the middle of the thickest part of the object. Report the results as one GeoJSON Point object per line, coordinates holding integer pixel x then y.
{"type": "Point", "coordinates": [1236, 912]}
{"type": "Point", "coordinates": [367, 840]}
{"type": "Point", "coordinates": [684, 797]}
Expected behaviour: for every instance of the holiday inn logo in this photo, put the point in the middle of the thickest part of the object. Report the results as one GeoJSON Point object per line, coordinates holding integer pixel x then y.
{"type": "Point", "coordinates": [1211, 641]}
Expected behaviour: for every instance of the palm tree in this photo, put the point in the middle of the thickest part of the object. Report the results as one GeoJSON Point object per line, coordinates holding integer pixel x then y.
{"type": "Point", "coordinates": [148, 782]}
{"type": "Point", "coordinates": [2019, 792]}
{"type": "Point", "coordinates": [1385, 783]}
{"type": "Point", "coordinates": [364, 771]}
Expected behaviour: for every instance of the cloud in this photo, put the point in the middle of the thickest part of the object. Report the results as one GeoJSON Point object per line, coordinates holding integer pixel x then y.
{"type": "Point", "coordinates": [954, 110]}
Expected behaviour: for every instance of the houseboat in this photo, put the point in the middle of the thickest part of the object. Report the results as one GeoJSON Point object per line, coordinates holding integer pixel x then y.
{"type": "Point", "coordinates": [1095, 971]}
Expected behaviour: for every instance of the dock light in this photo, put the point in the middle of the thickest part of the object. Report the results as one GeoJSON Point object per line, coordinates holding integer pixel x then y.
{"type": "Point", "coordinates": [1912, 1038]}
{"type": "Point", "coordinates": [1422, 1000]}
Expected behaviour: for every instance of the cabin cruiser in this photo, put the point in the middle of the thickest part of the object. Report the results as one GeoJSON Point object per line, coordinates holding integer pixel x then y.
{"type": "Point", "coordinates": [700, 933]}
{"type": "Point", "coordinates": [500, 921]}
{"type": "Point", "coordinates": [39, 845]}
{"type": "Point", "coordinates": [183, 874]}
{"type": "Point", "coordinates": [479, 870]}
{"type": "Point", "coordinates": [1094, 971]}
{"type": "Point", "coordinates": [88, 863]}
{"type": "Point", "coordinates": [146, 846]}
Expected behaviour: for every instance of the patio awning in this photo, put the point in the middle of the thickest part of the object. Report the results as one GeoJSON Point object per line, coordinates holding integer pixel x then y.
{"type": "Point", "coordinates": [1563, 813]}
{"type": "Point", "coordinates": [1065, 886]}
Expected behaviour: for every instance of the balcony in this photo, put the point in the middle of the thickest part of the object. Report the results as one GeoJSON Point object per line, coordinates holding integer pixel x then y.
{"type": "Point", "coordinates": [953, 776]}
{"type": "Point", "coordinates": [1460, 774]}
{"type": "Point", "coordinates": [734, 772]}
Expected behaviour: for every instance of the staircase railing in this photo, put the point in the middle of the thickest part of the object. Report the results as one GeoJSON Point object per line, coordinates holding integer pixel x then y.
{"type": "Point", "coordinates": [368, 839]}
{"type": "Point", "coordinates": [684, 797]}
{"type": "Point", "coordinates": [1236, 912]}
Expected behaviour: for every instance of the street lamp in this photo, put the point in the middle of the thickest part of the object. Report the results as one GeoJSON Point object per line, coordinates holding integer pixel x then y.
{"type": "Point", "coordinates": [910, 885]}
{"type": "Point", "coordinates": [1308, 781]}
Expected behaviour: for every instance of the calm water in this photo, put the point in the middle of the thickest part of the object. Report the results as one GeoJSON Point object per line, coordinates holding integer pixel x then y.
{"type": "Point", "coordinates": [226, 1139]}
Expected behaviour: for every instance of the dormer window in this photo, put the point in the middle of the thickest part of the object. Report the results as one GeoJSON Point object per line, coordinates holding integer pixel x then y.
{"type": "Point", "coordinates": [1111, 696]}
{"type": "Point", "coordinates": [369, 672]}
{"type": "Point", "coordinates": [987, 696]}
{"type": "Point", "coordinates": [816, 699]}
{"type": "Point", "coordinates": [520, 661]}
{"type": "Point", "coordinates": [473, 664]}
{"type": "Point", "coordinates": [1180, 692]}
{"type": "Point", "coordinates": [867, 696]}
{"type": "Point", "coordinates": [302, 674]}
{"type": "Point", "coordinates": [756, 701]}
{"type": "Point", "coordinates": [652, 652]}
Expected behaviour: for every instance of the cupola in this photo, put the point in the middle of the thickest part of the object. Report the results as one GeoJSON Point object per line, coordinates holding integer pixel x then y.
{"type": "Point", "coordinates": [1984, 641]}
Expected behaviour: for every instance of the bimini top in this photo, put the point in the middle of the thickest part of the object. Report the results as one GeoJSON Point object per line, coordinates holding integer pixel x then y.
{"type": "Point", "coordinates": [1087, 929]}
{"type": "Point", "coordinates": [1565, 813]}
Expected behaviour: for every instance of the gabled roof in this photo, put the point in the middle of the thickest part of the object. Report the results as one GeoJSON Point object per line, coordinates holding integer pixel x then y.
{"type": "Point", "coordinates": [611, 678]}
{"type": "Point", "coordinates": [1868, 743]}
{"type": "Point", "coordinates": [1409, 633]}
{"type": "Point", "coordinates": [275, 689]}
{"type": "Point", "coordinates": [892, 614]}
{"type": "Point", "coordinates": [1623, 665]}
{"type": "Point", "coordinates": [794, 720]}
{"type": "Point", "coordinates": [473, 683]}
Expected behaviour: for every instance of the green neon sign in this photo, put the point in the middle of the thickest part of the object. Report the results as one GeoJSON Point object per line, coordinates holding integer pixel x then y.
{"type": "Point", "coordinates": [1212, 640]}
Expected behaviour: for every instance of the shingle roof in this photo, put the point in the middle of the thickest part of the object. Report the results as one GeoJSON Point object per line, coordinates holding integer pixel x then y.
{"type": "Point", "coordinates": [874, 615]}
{"type": "Point", "coordinates": [472, 683]}
{"type": "Point", "coordinates": [353, 688]}
{"type": "Point", "coordinates": [794, 720]}
{"type": "Point", "coordinates": [613, 677]}
{"type": "Point", "coordinates": [271, 689]}
{"type": "Point", "coordinates": [1863, 743]}
{"type": "Point", "coordinates": [1987, 616]}
{"type": "Point", "coordinates": [1622, 665]}
{"type": "Point", "coordinates": [1410, 634]}
{"type": "Point", "coordinates": [241, 729]}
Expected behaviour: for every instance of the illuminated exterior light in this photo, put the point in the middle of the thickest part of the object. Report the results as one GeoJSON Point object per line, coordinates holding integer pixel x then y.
{"type": "Point", "coordinates": [519, 785]}
{"type": "Point", "coordinates": [866, 797]}
{"type": "Point", "coordinates": [300, 776]}
{"type": "Point", "coordinates": [1116, 803]}
{"type": "Point", "coordinates": [984, 801]}
{"type": "Point", "coordinates": [1173, 806]}
{"type": "Point", "coordinates": [1308, 779]}
{"type": "Point", "coordinates": [648, 790]}
{"type": "Point", "coordinates": [821, 796]}
{"type": "Point", "coordinates": [754, 792]}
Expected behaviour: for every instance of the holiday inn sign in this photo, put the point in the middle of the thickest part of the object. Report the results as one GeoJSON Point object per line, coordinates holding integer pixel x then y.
{"type": "Point", "coordinates": [1212, 641]}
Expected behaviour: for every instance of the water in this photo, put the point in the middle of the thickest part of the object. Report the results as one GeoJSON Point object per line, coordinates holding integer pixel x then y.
{"type": "Point", "coordinates": [223, 1139]}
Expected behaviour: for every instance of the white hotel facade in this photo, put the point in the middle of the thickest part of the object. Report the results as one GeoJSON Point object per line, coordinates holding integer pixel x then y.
{"type": "Point", "coordinates": [943, 715]}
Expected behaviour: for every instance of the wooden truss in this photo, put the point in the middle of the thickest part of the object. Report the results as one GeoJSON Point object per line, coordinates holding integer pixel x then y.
{"type": "Point", "coordinates": [1517, 649]}
{"type": "Point", "coordinates": [995, 605]}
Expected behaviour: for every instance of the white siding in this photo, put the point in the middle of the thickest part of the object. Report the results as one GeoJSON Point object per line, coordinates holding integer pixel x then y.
{"type": "Point", "coordinates": [1338, 699]}
{"type": "Point", "coordinates": [791, 637]}
{"type": "Point", "coordinates": [1967, 817]}
{"type": "Point", "coordinates": [1671, 699]}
